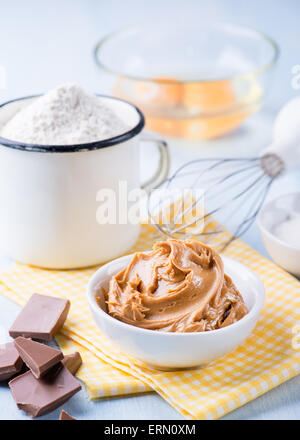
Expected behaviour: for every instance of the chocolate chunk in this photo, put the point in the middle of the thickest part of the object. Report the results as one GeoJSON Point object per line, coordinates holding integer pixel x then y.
{"type": "Point", "coordinates": [38, 357]}
{"type": "Point", "coordinates": [65, 416]}
{"type": "Point", "coordinates": [72, 362]}
{"type": "Point", "coordinates": [41, 396]}
{"type": "Point", "coordinates": [10, 361]}
{"type": "Point", "coordinates": [41, 318]}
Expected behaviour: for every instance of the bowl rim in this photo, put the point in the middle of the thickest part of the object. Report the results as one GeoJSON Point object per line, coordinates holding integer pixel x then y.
{"type": "Point", "coordinates": [268, 232]}
{"type": "Point", "coordinates": [75, 148]}
{"type": "Point", "coordinates": [164, 81]}
{"type": "Point", "coordinates": [256, 309]}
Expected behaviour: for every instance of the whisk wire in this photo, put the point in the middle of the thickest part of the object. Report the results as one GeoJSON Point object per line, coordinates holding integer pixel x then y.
{"type": "Point", "coordinates": [205, 193]}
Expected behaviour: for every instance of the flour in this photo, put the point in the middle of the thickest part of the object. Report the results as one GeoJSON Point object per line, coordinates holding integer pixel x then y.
{"type": "Point", "coordinates": [65, 115]}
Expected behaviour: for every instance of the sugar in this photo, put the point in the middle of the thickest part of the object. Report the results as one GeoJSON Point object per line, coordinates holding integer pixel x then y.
{"type": "Point", "coordinates": [66, 115]}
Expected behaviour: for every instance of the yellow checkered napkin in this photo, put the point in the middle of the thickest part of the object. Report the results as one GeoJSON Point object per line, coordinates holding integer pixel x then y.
{"type": "Point", "coordinates": [263, 362]}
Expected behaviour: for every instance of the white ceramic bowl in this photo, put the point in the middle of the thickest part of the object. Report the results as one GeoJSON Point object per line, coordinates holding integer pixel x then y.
{"type": "Point", "coordinates": [271, 215]}
{"type": "Point", "coordinates": [165, 350]}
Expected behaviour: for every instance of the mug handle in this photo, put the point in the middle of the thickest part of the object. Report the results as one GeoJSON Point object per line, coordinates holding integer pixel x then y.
{"type": "Point", "coordinates": [164, 160]}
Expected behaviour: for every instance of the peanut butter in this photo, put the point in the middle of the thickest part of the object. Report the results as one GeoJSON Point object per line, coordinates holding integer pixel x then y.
{"type": "Point", "coordinates": [180, 286]}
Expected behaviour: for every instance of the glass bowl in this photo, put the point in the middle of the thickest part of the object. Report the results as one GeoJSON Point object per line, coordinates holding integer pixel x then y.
{"type": "Point", "coordinates": [195, 81]}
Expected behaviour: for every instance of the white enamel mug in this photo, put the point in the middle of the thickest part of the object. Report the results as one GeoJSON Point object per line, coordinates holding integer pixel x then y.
{"type": "Point", "coordinates": [48, 194]}
{"type": "Point", "coordinates": [167, 350]}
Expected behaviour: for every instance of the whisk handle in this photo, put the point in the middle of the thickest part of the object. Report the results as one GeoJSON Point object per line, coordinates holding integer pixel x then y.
{"type": "Point", "coordinates": [286, 136]}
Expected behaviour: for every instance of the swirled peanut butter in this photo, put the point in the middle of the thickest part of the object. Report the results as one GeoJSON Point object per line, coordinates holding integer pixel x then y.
{"type": "Point", "coordinates": [180, 286]}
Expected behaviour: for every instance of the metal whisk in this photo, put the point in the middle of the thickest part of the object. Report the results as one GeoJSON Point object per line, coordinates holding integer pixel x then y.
{"type": "Point", "coordinates": [222, 191]}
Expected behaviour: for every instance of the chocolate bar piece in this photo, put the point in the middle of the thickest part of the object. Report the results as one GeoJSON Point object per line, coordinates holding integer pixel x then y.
{"type": "Point", "coordinates": [65, 416]}
{"type": "Point", "coordinates": [41, 396]}
{"type": "Point", "coordinates": [38, 357]}
{"type": "Point", "coordinates": [72, 362]}
{"type": "Point", "coordinates": [41, 318]}
{"type": "Point", "coordinates": [10, 361]}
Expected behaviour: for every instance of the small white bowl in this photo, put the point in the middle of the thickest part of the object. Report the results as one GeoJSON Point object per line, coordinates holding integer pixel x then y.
{"type": "Point", "coordinates": [165, 350]}
{"type": "Point", "coordinates": [270, 216]}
